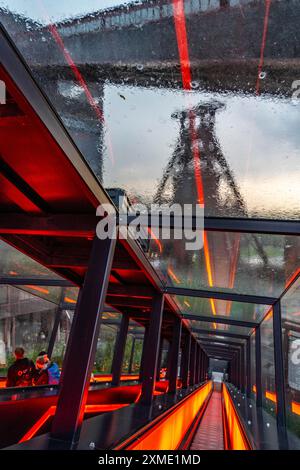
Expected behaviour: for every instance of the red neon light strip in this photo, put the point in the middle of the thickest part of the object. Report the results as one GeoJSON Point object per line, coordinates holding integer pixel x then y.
{"type": "Point", "coordinates": [38, 289]}
{"type": "Point", "coordinates": [81, 81]}
{"type": "Point", "coordinates": [180, 28]}
{"type": "Point", "coordinates": [51, 412]}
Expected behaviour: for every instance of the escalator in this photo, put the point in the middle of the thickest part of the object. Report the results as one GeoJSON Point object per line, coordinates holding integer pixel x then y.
{"type": "Point", "coordinates": [205, 419]}
{"type": "Point", "coordinates": [209, 435]}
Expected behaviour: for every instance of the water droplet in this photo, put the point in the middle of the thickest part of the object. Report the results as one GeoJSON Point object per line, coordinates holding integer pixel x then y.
{"type": "Point", "coordinates": [195, 84]}
{"type": "Point", "coordinates": [139, 66]}
{"type": "Point", "coordinates": [262, 75]}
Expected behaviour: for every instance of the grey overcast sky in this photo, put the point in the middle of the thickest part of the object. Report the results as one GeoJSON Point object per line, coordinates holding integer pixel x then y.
{"type": "Point", "coordinates": [57, 9]}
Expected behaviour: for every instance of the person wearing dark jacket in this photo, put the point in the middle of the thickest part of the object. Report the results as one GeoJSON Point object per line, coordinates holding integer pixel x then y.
{"type": "Point", "coordinates": [47, 372]}
{"type": "Point", "coordinates": [20, 373]}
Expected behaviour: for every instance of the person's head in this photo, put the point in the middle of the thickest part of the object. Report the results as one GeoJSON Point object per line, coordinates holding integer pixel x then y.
{"type": "Point", "coordinates": [41, 362]}
{"type": "Point", "coordinates": [45, 354]}
{"type": "Point", "coordinates": [19, 353]}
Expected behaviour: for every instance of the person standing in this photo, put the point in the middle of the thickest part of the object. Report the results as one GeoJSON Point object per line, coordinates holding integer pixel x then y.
{"type": "Point", "coordinates": [20, 373]}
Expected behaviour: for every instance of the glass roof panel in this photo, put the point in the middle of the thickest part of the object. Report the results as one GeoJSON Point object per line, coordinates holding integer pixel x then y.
{"type": "Point", "coordinates": [15, 264]}
{"type": "Point", "coordinates": [211, 307]}
{"type": "Point", "coordinates": [254, 264]}
{"type": "Point", "coordinates": [217, 336]}
{"type": "Point", "coordinates": [172, 104]}
{"type": "Point", "coordinates": [219, 327]}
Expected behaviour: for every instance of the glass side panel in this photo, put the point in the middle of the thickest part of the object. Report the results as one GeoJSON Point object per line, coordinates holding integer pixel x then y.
{"type": "Point", "coordinates": [105, 349]}
{"type": "Point", "coordinates": [15, 264]}
{"type": "Point", "coordinates": [255, 264]}
{"type": "Point", "coordinates": [211, 307]}
{"type": "Point", "coordinates": [290, 307]}
{"type": "Point", "coordinates": [267, 365]}
{"type": "Point", "coordinates": [252, 365]}
{"type": "Point", "coordinates": [170, 103]}
{"type": "Point", "coordinates": [133, 348]}
{"type": "Point", "coordinates": [26, 321]}
{"type": "Point", "coordinates": [62, 336]}
{"type": "Point", "coordinates": [203, 325]}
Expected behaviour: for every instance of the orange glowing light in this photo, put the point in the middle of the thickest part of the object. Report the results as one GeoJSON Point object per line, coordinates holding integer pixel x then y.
{"type": "Point", "coordinates": [51, 412]}
{"type": "Point", "coordinates": [292, 278]}
{"type": "Point", "coordinates": [173, 275]}
{"type": "Point", "coordinates": [39, 289]}
{"type": "Point", "coordinates": [108, 378]}
{"type": "Point", "coordinates": [13, 273]}
{"type": "Point", "coordinates": [156, 240]}
{"type": "Point", "coordinates": [296, 407]}
{"type": "Point", "coordinates": [237, 437]}
{"type": "Point", "coordinates": [269, 315]}
{"type": "Point", "coordinates": [38, 424]}
{"type": "Point", "coordinates": [167, 432]}
{"type": "Point", "coordinates": [254, 388]}
{"type": "Point", "coordinates": [69, 300]}
{"type": "Point", "coordinates": [271, 396]}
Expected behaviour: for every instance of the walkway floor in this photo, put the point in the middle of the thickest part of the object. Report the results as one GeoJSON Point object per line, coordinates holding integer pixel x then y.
{"type": "Point", "coordinates": [209, 435]}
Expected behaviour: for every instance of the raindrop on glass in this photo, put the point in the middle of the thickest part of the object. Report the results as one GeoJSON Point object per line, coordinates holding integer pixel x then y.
{"type": "Point", "coordinates": [262, 75]}
{"type": "Point", "coordinates": [194, 84]}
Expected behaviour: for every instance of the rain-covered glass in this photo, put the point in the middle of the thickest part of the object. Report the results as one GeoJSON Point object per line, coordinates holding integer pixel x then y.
{"type": "Point", "coordinates": [210, 307]}
{"type": "Point", "coordinates": [175, 100]}
{"type": "Point", "coordinates": [219, 327]}
{"type": "Point", "coordinates": [209, 336]}
{"type": "Point", "coordinates": [15, 264]}
{"type": "Point", "coordinates": [243, 263]}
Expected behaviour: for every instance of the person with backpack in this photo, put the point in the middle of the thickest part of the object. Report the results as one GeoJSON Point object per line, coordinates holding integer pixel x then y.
{"type": "Point", "coordinates": [21, 372]}
{"type": "Point", "coordinates": [47, 372]}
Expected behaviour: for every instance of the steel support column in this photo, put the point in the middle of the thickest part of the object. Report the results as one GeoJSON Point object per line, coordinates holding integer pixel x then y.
{"type": "Point", "coordinates": [117, 362]}
{"type": "Point", "coordinates": [279, 366]}
{"type": "Point", "coordinates": [131, 356]}
{"type": "Point", "coordinates": [57, 319]}
{"type": "Point", "coordinates": [248, 368]}
{"type": "Point", "coordinates": [175, 349]}
{"type": "Point", "coordinates": [54, 331]}
{"type": "Point", "coordinates": [193, 362]}
{"type": "Point", "coordinates": [198, 364]}
{"type": "Point", "coordinates": [161, 345]}
{"type": "Point", "coordinates": [141, 374]}
{"type": "Point", "coordinates": [82, 345]}
{"type": "Point", "coordinates": [243, 371]}
{"type": "Point", "coordinates": [185, 361]}
{"type": "Point", "coordinates": [152, 349]}
{"type": "Point", "coordinates": [258, 383]}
